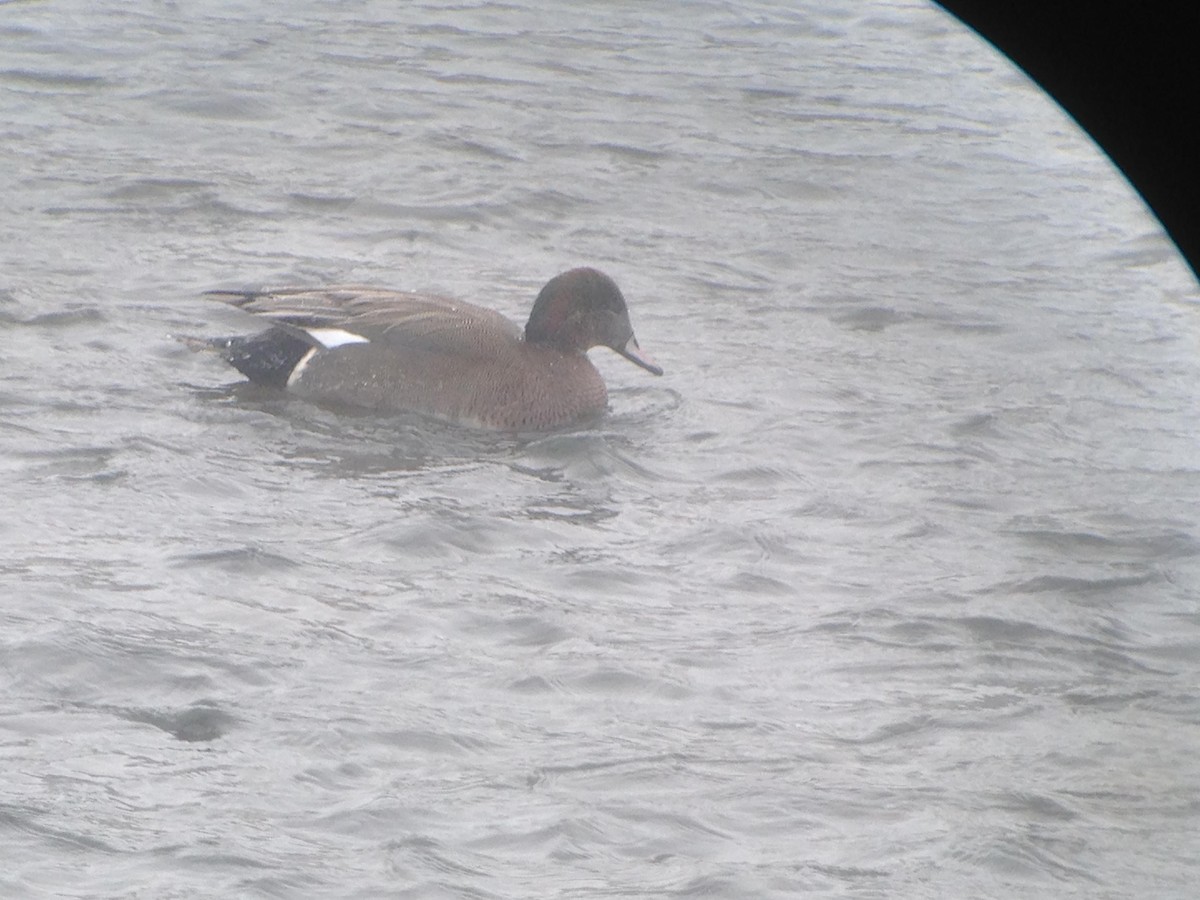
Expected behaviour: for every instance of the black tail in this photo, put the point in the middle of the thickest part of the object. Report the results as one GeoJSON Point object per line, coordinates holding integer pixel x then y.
{"type": "Point", "coordinates": [267, 358]}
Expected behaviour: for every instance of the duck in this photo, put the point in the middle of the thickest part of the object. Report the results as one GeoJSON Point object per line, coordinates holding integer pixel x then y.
{"type": "Point", "coordinates": [395, 351]}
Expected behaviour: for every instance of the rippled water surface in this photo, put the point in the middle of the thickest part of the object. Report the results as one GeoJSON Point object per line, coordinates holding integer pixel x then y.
{"type": "Point", "coordinates": [887, 589]}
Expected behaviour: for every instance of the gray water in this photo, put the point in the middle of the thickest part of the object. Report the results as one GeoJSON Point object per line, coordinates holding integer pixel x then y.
{"type": "Point", "coordinates": [887, 589]}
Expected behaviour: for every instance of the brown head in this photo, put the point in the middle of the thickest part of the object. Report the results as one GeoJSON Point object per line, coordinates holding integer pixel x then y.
{"type": "Point", "coordinates": [581, 309]}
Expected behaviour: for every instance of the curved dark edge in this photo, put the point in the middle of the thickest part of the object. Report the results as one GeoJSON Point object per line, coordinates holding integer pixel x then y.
{"type": "Point", "coordinates": [1127, 73]}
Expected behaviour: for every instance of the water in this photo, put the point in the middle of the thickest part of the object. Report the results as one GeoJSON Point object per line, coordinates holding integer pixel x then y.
{"type": "Point", "coordinates": [886, 589]}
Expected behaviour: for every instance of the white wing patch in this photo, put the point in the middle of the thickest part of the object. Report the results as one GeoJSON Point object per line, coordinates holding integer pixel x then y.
{"type": "Point", "coordinates": [335, 337]}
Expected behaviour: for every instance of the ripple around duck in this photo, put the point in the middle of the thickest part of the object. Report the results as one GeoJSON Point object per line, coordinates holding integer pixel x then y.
{"type": "Point", "coordinates": [519, 630]}
{"type": "Point", "coordinates": [614, 682]}
{"type": "Point", "coordinates": [29, 820]}
{"type": "Point", "coordinates": [644, 405]}
{"type": "Point", "coordinates": [200, 722]}
{"type": "Point", "coordinates": [434, 744]}
{"type": "Point", "coordinates": [42, 80]}
{"type": "Point", "coordinates": [248, 559]}
{"type": "Point", "coordinates": [144, 190]}
{"type": "Point", "coordinates": [448, 536]}
{"type": "Point", "coordinates": [583, 457]}
{"type": "Point", "coordinates": [1168, 543]}
{"type": "Point", "coordinates": [533, 685]}
{"type": "Point", "coordinates": [762, 475]}
{"type": "Point", "coordinates": [1020, 855]}
{"type": "Point", "coordinates": [72, 464]}
{"type": "Point", "coordinates": [72, 317]}
{"type": "Point", "coordinates": [1100, 587]}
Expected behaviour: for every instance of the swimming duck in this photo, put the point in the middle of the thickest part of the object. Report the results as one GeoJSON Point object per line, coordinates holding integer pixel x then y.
{"type": "Point", "coordinates": [395, 351]}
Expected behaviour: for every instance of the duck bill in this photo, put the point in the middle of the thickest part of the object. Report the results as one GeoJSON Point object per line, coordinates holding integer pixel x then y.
{"type": "Point", "coordinates": [632, 352]}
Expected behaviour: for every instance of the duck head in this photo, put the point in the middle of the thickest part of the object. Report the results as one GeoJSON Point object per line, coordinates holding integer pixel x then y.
{"type": "Point", "coordinates": [581, 309]}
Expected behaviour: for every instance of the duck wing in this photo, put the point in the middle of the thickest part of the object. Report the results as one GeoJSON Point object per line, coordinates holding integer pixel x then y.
{"type": "Point", "coordinates": [340, 315]}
